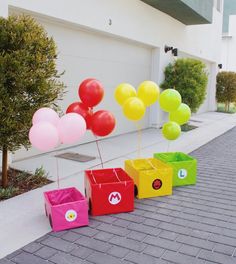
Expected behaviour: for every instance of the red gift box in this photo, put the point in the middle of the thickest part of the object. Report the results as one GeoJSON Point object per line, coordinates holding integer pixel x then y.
{"type": "Point", "coordinates": [109, 191]}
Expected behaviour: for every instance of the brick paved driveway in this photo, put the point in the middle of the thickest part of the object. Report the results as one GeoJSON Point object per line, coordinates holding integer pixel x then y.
{"type": "Point", "coordinates": [197, 225]}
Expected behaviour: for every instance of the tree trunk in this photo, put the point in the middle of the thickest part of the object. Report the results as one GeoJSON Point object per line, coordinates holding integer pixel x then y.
{"type": "Point", "coordinates": [4, 166]}
{"type": "Point", "coordinates": [228, 107]}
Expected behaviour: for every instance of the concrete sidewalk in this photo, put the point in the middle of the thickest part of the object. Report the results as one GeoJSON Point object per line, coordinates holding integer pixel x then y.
{"type": "Point", "coordinates": [27, 221]}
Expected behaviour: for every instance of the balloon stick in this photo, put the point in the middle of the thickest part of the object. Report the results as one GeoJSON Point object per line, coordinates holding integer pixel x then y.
{"type": "Point", "coordinates": [99, 151]}
{"type": "Point", "coordinates": [139, 130]}
{"type": "Point", "coordinates": [168, 146]}
{"type": "Point", "coordinates": [57, 169]}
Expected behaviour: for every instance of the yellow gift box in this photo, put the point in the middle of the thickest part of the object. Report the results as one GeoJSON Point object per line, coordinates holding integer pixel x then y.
{"type": "Point", "coordinates": [152, 177]}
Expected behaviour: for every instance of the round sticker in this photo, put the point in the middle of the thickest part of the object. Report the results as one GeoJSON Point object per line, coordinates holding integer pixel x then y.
{"type": "Point", "coordinates": [182, 173]}
{"type": "Point", "coordinates": [114, 198]}
{"type": "Point", "coordinates": [70, 215]}
{"type": "Point", "coordinates": [156, 185]}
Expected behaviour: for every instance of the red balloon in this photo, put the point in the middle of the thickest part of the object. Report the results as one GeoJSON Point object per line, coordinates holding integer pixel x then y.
{"type": "Point", "coordinates": [81, 109]}
{"type": "Point", "coordinates": [91, 92]}
{"type": "Point", "coordinates": [102, 123]}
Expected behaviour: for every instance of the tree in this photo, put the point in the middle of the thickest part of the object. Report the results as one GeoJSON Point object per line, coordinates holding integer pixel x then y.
{"type": "Point", "coordinates": [189, 77]}
{"type": "Point", "coordinates": [226, 88]}
{"type": "Point", "coordinates": [28, 80]}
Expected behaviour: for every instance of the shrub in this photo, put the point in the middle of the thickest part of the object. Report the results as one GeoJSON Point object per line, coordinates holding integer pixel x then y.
{"type": "Point", "coordinates": [189, 77]}
{"type": "Point", "coordinates": [226, 88]}
{"type": "Point", "coordinates": [28, 80]}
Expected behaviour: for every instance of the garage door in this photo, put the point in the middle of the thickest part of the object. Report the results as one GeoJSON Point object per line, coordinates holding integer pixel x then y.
{"type": "Point", "coordinates": [84, 54]}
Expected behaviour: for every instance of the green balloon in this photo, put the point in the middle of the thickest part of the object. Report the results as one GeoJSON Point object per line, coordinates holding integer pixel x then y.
{"type": "Point", "coordinates": [171, 130]}
{"type": "Point", "coordinates": [181, 115]}
{"type": "Point", "coordinates": [170, 100]}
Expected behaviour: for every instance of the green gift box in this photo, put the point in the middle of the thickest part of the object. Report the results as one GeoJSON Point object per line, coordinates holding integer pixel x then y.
{"type": "Point", "coordinates": [184, 167]}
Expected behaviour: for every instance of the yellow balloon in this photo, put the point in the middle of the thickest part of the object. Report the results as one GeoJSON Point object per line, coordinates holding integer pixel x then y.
{"type": "Point", "coordinates": [148, 92]}
{"type": "Point", "coordinates": [170, 100]}
{"type": "Point", "coordinates": [181, 115]}
{"type": "Point", "coordinates": [171, 130]}
{"type": "Point", "coordinates": [134, 109]}
{"type": "Point", "coordinates": [124, 91]}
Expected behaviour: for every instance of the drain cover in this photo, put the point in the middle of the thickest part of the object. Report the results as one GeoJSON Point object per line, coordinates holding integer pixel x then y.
{"type": "Point", "coordinates": [75, 157]}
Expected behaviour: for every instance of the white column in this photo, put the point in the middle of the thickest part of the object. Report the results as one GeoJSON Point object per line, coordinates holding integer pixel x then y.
{"type": "Point", "coordinates": [212, 91]}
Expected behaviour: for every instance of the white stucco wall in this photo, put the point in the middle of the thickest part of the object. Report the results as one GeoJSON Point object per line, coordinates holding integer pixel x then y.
{"type": "Point", "coordinates": [136, 21]}
{"type": "Point", "coordinates": [229, 46]}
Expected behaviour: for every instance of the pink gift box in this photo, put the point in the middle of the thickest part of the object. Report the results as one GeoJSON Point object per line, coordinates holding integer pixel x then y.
{"type": "Point", "coordinates": [66, 208]}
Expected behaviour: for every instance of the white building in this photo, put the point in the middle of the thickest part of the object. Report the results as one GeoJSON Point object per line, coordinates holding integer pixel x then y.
{"type": "Point", "coordinates": [229, 36]}
{"type": "Point", "coordinates": [123, 41]}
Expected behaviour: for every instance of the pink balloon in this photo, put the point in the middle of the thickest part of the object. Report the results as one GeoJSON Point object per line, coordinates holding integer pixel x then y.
{"type": "Point", "coordinates": [71, 128]}
{"type": "Point", "coordinates": [46, 114]}
{"type": "Point", "coordinates": [44, 136]}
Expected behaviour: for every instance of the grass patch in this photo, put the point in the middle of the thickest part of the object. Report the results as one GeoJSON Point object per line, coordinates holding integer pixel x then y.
{"type": "Point", "coordinates": [22, 181]}
{"type": "Point", "coordinates": [221, 108]}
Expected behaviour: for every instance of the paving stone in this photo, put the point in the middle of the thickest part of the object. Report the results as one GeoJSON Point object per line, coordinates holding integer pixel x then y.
{"type": "Point", "coordinates": [101, 258]}
{"type": "Point", "coordinates": [197, 242]}
{"type": "Point", "coordinates": [168, 235]}
{"type": "Point", "coordinates": [216, 257]}
{"type": "Point", "coordinates": [162, 243]}
{"type": "Point", "coordinates": [86, 231]}
{"type": "Point", "coordinates": [58, 244]}
{"type": "Point", "coordinates": [189, 250]}
{"type": "Point", "coordinates": [160, 217]}
{"type": "Point", "coordinates": [62, 258]}
{"type": "Point", "coordinates": [118, 252]}
{"type": "Point", "coordinates": [136, 236]}
{"type": "Point", "coordinates": [142, 258]}
{"type": "Point", "coordinates": [45, 252]}
{"type": "Point", "coordinates": [154, 251]}
{"type": "Point", "coordinates": [179, 258]}
{"type": "Point", "coordinates": [58, 234]}
{"type": "Point", "coordinates": [104, 218]}
{"type": "Point", "coordinates": [174, 228]}
{"type": "Point", "coordinates": [121, 223]}
{"type": "Point", "coordinates": [227, 250]}
{"type": "Point", "coordinates": [94, 223]}
{"type": "Point", "coordinates": [116, 230]}
{"type": "Point", "coordinates": [144, 229]}
{"type": "Point", "coordinates": [130, 217]}
{"type": "Point", "coordinates": [70, 236]}
{"type": "Point", "coordinates": [93, 244]}
{"type": "Point", "coordinates": [32, 247]}
{"type": "Point", "coordinates": [128, 243]}
{"type": "Point", "coordinates": [151, 222]}
{"type": "Point", "coordinates": [103, 236]}
{"type": "Point", "coordinates": [27, 258]}
{"type": "Point", "coordinates": [81, 252]}
{"type": "Point", "coordinates": [223, 240]}
{"type": "Point", "coordinates": [6, 261]}
{"type": "Point", "coordinates": [15, 253]}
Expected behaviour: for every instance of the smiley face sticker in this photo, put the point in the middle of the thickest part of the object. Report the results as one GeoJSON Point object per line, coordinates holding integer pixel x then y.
{"type": "Point", "coordinates": [70, 215]}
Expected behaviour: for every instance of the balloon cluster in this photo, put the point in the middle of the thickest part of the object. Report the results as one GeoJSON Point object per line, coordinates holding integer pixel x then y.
{"type": "Point", "coordinates": [179, 113]}
{"type": "Point", "coordinates": [134, 103]}
{"type": "Point", "coordinates": [49, 129]}
{"type": "Point", "coordinates": [91, 93]}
